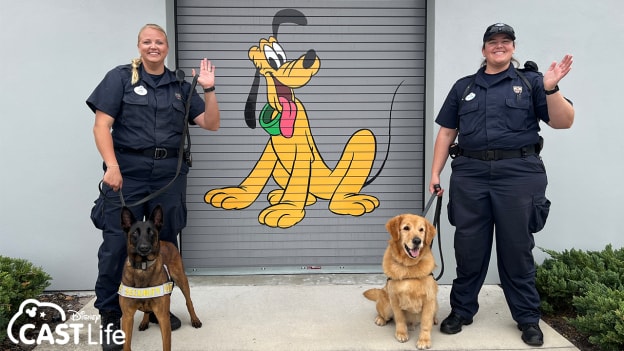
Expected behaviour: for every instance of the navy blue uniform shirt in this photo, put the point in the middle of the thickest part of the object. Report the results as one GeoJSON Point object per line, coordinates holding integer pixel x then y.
{"type": "Point", "coordinates": [147, 114]}
{"type": "Point", "coordinates": [497, 113]}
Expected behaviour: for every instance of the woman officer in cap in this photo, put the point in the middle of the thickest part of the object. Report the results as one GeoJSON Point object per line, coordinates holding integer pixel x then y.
{"type": "Point", "coordinates": [498, 181]}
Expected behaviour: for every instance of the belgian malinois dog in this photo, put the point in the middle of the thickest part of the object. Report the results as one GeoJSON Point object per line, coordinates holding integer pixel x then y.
{"type": "Point", "coordinates": [151, 263]}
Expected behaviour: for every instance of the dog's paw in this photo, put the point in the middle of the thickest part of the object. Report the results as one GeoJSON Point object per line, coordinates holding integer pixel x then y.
{"type": "Point", "coordinates": [143, 326]}
{"type": "Point", "coordinates": [283, 215]}
{"type": "Point", "coordinates": [423, 343]}
{"type": "Point", "coordinates": [353, 204]}
{"type": "Point", "coordinates": [233, 198]}
{"type": "Point", "coordinates": [196, 323]}
{"type": "Point", "coordinates": [401, 336]}
{"type": "Point", "coordinates": [380, 321]}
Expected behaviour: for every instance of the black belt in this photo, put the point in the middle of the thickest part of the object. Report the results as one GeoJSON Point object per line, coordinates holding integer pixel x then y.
{"type": "Point", "coordinates": [157, 153]}
{"type": "Point", "coordinates": [495, 155]}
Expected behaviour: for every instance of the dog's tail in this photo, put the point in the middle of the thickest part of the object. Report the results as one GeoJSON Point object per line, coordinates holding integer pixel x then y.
{"type": "Point", "coordinates": [372, 179]}
{"type": "Point", "coordinates": [375, 294]}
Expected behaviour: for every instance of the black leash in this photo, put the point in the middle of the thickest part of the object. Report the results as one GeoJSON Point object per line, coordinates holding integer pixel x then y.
{"type": "Point", "coordinates": [181, 153]}
{"type": "Point", "coordinates": [436, 223]}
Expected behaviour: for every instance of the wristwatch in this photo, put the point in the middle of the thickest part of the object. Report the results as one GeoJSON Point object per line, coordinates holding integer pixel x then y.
{"type": "Point", "coordinates": [550, 92]}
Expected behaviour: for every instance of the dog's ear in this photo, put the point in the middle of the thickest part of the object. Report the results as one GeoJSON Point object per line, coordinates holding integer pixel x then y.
{"type": "Point", "coordinates": [250, 105]}
{"type": "Point", "coordinates": [392, 226]}
{"type": "Point", "coordinates": [157, 217]}
{"type": "Point", "coordinates": [431, 233]}
{"type": "Point", "coordinates": [127, 219]}
{"type": "Point", "coordinates": [288, 16]}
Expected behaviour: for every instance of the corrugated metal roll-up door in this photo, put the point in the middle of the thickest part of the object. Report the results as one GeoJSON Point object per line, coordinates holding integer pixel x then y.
{"type": "Point", "coordinates": [329, 170]}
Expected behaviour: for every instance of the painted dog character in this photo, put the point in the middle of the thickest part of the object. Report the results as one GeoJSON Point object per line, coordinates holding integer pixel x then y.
{"type": "Point", "coordinates": [291, 156]}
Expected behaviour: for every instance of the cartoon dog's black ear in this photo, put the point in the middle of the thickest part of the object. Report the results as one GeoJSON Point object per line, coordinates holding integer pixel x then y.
{"type": "Point", "coordinates": [250, 105]}
{"type": "Point", "coordinates": [288, 16]}
{"type": "Point", "coordinates": [127, 219]}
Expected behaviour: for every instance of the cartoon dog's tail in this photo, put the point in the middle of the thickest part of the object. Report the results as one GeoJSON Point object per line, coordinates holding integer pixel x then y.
{"type": "Point", "coordinates": [372, 179]}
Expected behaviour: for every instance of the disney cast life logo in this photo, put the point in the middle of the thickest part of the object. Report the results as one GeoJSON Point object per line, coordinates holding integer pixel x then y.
{"type": "Point", "coordinates": [63, 333]}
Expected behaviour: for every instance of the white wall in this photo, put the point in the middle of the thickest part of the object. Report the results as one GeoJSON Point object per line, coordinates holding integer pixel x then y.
{"type": "Point", "coordinates": [54, 54]}
{"type": "Point", "coordinates": [583, 163]}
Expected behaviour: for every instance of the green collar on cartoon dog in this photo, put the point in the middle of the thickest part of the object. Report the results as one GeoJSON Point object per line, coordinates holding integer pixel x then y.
{"type": "Point", "coordinates": [270, 125]}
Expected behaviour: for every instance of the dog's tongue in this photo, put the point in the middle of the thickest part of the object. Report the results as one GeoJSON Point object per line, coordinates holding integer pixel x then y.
{"type": "Point", "coordinates": [414, 252]}
{"type": "Point", "coordinates": [289, 113]}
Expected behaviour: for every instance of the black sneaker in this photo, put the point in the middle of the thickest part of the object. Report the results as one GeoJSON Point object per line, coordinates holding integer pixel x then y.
{"type": "Point", "coordinates": [175, 321]}
{"type": "Point", "coordinates": [532, 334]}
{"type": "Point", "coordinates": [453, 323]}
{"type": "Point", "coordinates": [112, 319]}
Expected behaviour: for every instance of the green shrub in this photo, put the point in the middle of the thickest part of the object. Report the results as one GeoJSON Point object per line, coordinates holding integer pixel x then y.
{"type": "Point", "coordinates": [601, 316]}
{"type": "Point", "coordinates": [19, 281]}
{"type": "Point", "coordinates": [592, 284]}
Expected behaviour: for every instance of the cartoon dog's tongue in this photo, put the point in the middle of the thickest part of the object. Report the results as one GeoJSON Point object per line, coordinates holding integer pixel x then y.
{"type": "Point", "coordinates": [289, 113]}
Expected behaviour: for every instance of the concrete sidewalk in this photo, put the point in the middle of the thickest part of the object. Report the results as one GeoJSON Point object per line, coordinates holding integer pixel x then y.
{"type": "Point", "coordinates": [312, 312]}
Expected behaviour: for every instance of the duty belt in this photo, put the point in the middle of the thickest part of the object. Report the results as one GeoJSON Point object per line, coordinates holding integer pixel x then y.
{"type": "Point", "coordinates": [156, 153]}
{"type": "Point", "coordinates": [499, 154]}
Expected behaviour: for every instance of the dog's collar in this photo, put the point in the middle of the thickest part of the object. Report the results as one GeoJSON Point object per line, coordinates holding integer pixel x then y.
{"type": "Point", "coordinates": [271, 126]}
{"type": "Point", "coordinates": [431, 274]}
{"type": "Point", "coordinates": [145, 264]}
{"type": "Point", "coordinates": [146, 293]}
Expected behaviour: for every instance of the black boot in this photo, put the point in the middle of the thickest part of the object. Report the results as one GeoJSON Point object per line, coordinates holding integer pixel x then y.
{"type": "Point", "coordinates": [532, 334]}
{"type": "Point", "coordinates": [108, 342]}
{"type": "Point", "coordinates": [175, 321]}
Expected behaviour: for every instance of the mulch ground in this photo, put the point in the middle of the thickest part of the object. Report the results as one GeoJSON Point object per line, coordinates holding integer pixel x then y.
{"type": "Point", "coordinates": [559, 323]}
{"type": "Point", "coordinates": [66, 302]}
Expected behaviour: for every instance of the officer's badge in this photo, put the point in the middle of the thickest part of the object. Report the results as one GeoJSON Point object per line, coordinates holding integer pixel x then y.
{"type": "Point", "coordinates": [178, 96]}
{"type": "Point", "coordinates": [517, 89]}
{"type": "Point", "coordinates": [140, 90]}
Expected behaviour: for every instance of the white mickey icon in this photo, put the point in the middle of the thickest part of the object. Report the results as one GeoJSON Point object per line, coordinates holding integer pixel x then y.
{"type": "Point", "coordinates": [32, 312]}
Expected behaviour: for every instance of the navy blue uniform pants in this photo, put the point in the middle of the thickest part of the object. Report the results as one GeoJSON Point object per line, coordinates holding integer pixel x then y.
{"type": "Point", "coordinates": [505, 199]}
{"type": "Point", "coordinates": [112, 253]}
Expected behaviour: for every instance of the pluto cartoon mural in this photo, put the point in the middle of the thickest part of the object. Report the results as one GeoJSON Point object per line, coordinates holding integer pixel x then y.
{"type": "Point", "coordinates": [291, 156]}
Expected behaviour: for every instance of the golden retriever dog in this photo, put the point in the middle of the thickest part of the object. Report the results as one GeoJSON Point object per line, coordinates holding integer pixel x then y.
{"type": "Point", "coordinates": [410, 294]}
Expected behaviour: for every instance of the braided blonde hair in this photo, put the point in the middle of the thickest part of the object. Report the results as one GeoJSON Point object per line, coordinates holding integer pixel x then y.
{"type": "Point", "coordinates": [136, 62]}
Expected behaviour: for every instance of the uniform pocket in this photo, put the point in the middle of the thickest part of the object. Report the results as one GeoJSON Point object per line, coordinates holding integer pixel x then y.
{"type": "Point", "coordinates": [468, 117]}
{"type": "Point", "coordinates": [133, 105]}
{"type": "Point", "coordinates": [518, 113]}
{"type": "Point", "coordinates": [97, 213]}
{"type": "Point", "coordinates": [450, 213]}
{"type": "Point", "coordinates": [539, 214]}
{"type": "Point", "coordinates": [177, 116]}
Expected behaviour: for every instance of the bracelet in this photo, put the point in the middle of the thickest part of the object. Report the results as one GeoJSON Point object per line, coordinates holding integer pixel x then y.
{"type": "Point", "coordinates": [109, 166]}
{"type": "Point", "coordinates": [550, 92]}
{"type": "Point", "coordinates": [207, 90]}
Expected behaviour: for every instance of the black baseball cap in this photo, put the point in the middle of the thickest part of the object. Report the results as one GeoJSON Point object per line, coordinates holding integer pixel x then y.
{"type": "Point", "coordinates": [499, 28]}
